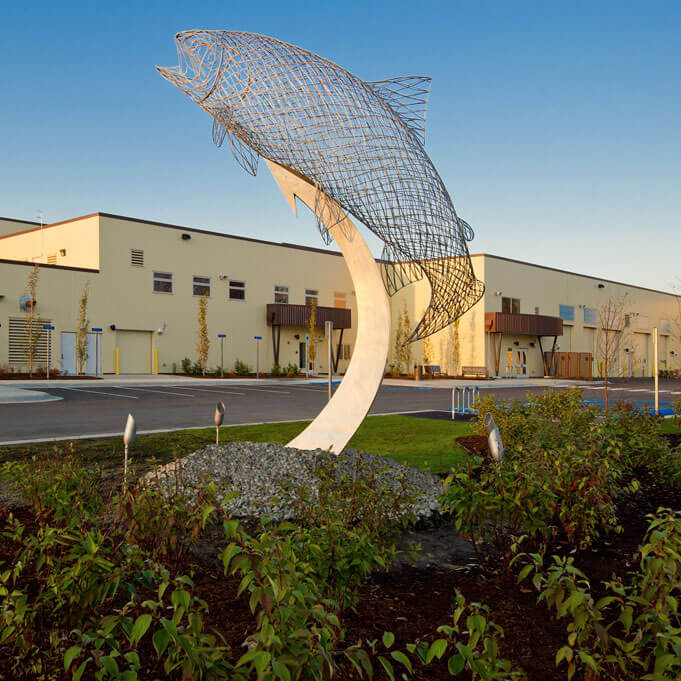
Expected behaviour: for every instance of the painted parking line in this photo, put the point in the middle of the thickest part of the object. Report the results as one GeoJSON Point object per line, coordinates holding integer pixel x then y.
{"type": "Point", "coordinates": [266, 390]}
{"type": "Point", "coordinates": [208, 390]}
{"type": "Point", "coordinates": [99, 392]}
{"type": "Point", "coordinates": [150, 390]}
{"type": "Point", "coordinates": [638, 390]}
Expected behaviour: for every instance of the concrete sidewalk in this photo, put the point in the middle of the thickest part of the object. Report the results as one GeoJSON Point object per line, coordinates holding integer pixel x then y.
{"type": "Point", "coordinates": [493, 384]}
{"type": "Point", "coordinates": [10, 394]}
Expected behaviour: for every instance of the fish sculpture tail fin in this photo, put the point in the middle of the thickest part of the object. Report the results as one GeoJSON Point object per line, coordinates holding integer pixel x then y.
{"type": "Point", "coordinates": [459, 298]}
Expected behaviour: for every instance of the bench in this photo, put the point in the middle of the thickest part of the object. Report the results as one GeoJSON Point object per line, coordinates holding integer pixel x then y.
{"type": "Point", "coordinates": [432, 369]}
{"type": "Point", "coordinates": [477, 372]}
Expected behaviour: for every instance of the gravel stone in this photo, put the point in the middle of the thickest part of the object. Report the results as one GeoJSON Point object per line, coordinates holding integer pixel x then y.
{"type": "Point", "coordinates": [259, 470]}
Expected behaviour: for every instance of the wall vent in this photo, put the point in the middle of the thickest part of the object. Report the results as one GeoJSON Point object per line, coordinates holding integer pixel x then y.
{"type": "Point", "coordinates": [18, 341]}
{"type": "Point", "coordinates": [52, 259]}
{"type": "Point", "coordinates": [137, 257]}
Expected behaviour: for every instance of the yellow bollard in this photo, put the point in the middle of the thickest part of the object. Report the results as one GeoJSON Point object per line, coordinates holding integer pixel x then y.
{"type": "Point", "coordinates": [156, 361]}
{"type": "Point", "coordinates": [118, 357]}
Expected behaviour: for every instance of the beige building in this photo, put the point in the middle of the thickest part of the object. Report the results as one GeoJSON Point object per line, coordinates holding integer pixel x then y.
{"type": "Point", "coordinates": [146, 278]}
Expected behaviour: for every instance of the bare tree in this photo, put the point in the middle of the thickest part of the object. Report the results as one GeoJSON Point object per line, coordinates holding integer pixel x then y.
{"type": "Point", "coordinates": [405, 349]}
{"type": "Point", "coordinates": [33, 328]}
{"type": "Point", "coordinates": [609, 340]}
{"type": "Point", "coordinates": [203, 343]}
{"type": "Point", "coordinates": [81, 334]}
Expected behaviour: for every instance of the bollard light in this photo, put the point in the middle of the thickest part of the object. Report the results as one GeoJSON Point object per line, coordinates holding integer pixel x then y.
{"type": "Point", "coordinates": [496, 447]}
{"type": "Point", "coordinates": [128, 438]}
{"type": "Point", "coordinates": [218, 419]}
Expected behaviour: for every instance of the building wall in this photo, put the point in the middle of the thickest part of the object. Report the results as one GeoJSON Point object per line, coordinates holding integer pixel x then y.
{"type": "Point", "coordinates": [78, 239]}
{"type": "Point", "coordinates": [460, 344]}
{"type": "Point", "coordinates": [122, 296]}
{"type": "Point", "coordinates": [58, 294]}
{"type": "Point", "coordinates": [544, 290]}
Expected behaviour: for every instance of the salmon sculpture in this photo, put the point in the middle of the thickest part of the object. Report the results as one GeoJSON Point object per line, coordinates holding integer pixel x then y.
{"type": "Point", "coordinates": [359, 143]}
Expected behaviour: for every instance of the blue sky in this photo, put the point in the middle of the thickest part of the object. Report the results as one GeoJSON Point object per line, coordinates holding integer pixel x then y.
{"type": "Point", "coordinates": [555, 126]}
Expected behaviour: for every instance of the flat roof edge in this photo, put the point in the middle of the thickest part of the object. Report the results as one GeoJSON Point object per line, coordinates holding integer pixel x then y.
{"type": "Point", "coordinates": [26, 263]}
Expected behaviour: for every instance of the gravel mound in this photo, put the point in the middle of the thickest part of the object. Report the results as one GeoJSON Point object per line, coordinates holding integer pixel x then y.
{"type": "Point", "coordinates": [259, 470]}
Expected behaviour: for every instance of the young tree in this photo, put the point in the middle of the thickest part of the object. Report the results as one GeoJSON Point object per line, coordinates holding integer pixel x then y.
{"type": "Point", "coordinates": [312, 328]}
{"type": "Point", "coordinates": [406, 347]}
{"type": "Point", "coordinates": [81, 334]}
{"type": "Point", "coordinates": [33, 328]}
{"type": "Point", "coordinates": [610, 338]}
{"type": "Point", "coordinates": [397, 347]}
{"type": "Point", "coordinates": [203, 343]}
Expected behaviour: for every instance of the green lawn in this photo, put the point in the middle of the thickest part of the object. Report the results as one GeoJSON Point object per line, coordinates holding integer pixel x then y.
{"type": "Point", "coordinates": [425, 443]}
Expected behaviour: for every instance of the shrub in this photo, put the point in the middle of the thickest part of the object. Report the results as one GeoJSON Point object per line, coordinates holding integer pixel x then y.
{"type": "Point", "coordinates": [292, 369]}
{"type": "Point", "coordinates": [631, 632]}
{"type": "Point", "coordinates": [492, 506]}
{"type": "Point", "coordinates": [276, 370]}
{"type": "Point", "coordinates": [241, 368]}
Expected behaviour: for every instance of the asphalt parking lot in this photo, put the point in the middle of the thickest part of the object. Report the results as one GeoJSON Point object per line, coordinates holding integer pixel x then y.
{"type": "Point", "coordinates": [100, 408]}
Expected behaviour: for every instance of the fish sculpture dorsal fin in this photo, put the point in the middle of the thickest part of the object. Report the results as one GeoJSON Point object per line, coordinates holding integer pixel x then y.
{"type": "Point", "coordinates": [408, 97]}
{"type": "Point", "coordinates": [244, 155]}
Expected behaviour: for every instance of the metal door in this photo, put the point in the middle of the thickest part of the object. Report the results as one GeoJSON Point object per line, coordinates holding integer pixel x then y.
{"type": "Point", "coordinates": [68, 352]}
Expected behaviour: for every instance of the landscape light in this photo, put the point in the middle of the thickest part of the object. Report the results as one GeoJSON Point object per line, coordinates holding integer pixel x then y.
{"type": "Point", "coordinates": [218, 419]}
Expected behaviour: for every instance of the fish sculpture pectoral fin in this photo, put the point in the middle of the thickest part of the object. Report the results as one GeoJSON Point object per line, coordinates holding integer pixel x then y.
{"type": "Point", "coordinates": [243, 154]}
{"type": "Point", "coordinates": [396, 272]}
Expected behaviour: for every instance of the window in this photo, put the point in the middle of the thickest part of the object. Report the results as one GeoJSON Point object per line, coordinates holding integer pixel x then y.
{"type": "Point", "coordinates": [339, 300]}
{"type": "Point", "coordinates": [201, 286]}
{"type": "Point", "coordinates": [567, 313]}
{"type": "Point", "coordinates": [590, 315]}
{"type": "Point", "coordinates": [281, 294]}
{"type": "Point", "coordinates": [665, 326]}
{"type": "Point", "coordinates": [311, 296]}
{"type": "Point", "coordinates": [237, 290]}
{"type": "Point", "coordinates": [137, 257]}
{"type": "Point", "coordinates": [163, 282]}
{"type": "Point", "coordinates": [536, 310]}
{"type": "Point", "coordinates": [344, 351]}
{"type": "Point", "coordinates": [642, 322]}
{"type": "Point", "coordinates": [510, 305]}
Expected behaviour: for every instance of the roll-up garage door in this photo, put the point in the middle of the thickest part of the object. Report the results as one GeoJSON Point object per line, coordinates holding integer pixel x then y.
{"type": "Point", "coordinates": [134, 352]}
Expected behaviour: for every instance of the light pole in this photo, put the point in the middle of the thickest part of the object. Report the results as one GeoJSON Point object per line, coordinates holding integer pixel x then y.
{"type": "Point", "coordinates": [257, 355]}
{"type": "Point", "coordinates": [328, 327]}
{"type": "Point", "coordinates": [222, 337]}
{"type": "Point", "coordinates": [49, 328]}
{"type": "Point", "coordinates": [98, 332]}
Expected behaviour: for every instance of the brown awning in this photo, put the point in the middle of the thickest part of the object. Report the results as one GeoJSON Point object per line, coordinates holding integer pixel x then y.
{"type": "Point", "coordinates": [523, 324]}
{"type": "Point", "coordinates": [281, 314]}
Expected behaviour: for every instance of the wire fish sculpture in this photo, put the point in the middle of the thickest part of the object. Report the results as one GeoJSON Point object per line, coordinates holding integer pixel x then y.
{"type": "Point", "coordinates": [361, 144]}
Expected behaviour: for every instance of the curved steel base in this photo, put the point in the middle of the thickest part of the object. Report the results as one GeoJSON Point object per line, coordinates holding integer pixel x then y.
{"type": "Point", "coordinates": [344, 413]}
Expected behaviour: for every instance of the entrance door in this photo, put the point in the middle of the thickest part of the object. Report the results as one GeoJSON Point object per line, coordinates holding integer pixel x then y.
{"type": "Point", "coordinates": [92, 365]}
{"type": "Point", "coordinates": [520, 362]}
{"type": "Point", "coordinates": [301, 355]}
{"type": "Point", "coordinates": [68, 352]}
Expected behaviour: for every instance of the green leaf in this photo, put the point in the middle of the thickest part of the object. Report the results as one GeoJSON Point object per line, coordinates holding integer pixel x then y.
{"type": "Point", "coordinates": [140, 628]}
{"type": "Point", "coordinates": [388, 639]}
{"type": "Point", "coordinates": [109, 664]}
{"type": "Point", "coordinates": [160, 639]}
{"type": "Point", "coordinates": [70, 655]}
{"type": "Point", "coordinates": [437, 649]}
{"type": "Point", "coordinates": [388, 667]}
{"type": "Point", "coordinates": [281, 670]}
{"type": "Point", "coordinates": [400, 657]}
{"type": "Point", "coordinates": [455, 664]}
{"type": "Point", "coordinates": [80, 670]}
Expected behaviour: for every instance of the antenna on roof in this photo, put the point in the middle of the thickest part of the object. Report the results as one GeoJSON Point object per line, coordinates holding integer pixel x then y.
{"type": "Point", "coordinates": [41, 216]}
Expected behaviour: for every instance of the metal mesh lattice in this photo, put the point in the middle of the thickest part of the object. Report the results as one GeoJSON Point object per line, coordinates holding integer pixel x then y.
{"type": "Point", "coordinates": [359, 143]}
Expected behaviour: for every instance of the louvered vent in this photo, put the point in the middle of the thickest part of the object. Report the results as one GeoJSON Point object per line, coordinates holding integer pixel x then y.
{"type": "Point", "coordinates": [19, 341]}
{"type": "Point", "coordinates": [137, 257]}
{"type": "Point", "coordinates": [52, 259]}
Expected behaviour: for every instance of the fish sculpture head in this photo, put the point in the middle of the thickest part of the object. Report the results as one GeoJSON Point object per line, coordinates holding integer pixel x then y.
{"type": "Point", "coordinates": [209, 62]}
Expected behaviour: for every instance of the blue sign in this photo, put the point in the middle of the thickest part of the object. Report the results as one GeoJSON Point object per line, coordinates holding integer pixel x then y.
{"type": "Point", "coordinates": [257, 337]}
{"type": "Point", "coordinates": [307, 337]}
{"type": "Point", "coordinates": [96, 329]}
{"type": "Point", "coordinates": [222, 335]}
{"type": "Point", "coordinates": [48, 327]}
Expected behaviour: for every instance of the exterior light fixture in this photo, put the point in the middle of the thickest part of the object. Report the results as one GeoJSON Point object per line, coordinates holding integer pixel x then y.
{"type": "Point", "coordinates": [128, 438]}
{"type": "Point", "coordinates": [218, 419]}
{"type": "Point", "coordinates": [601, 286]}
{"type": "Point", "coordinates": [186, 237]}
{"type": "Point", "coordinates": [62, 252]}
{"type": "Point", "coordinates": [112, 327]}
